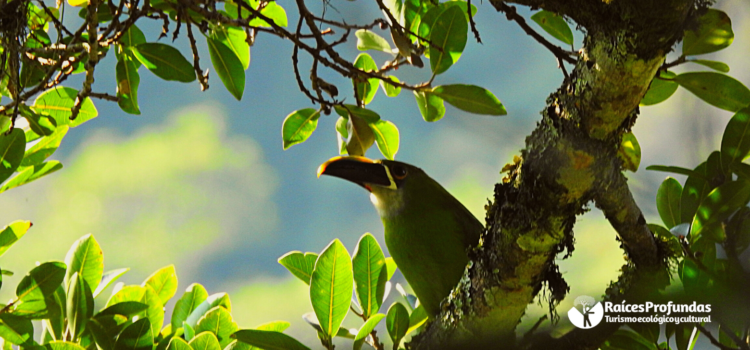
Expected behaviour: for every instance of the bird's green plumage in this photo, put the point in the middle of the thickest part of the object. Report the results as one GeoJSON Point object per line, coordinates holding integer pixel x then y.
{"type": "Point", "coordinates": [427, 230]}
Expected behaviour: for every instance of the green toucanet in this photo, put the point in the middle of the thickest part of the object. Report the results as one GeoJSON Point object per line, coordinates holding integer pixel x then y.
{"type": "Point", "coordinates": [427, 230]}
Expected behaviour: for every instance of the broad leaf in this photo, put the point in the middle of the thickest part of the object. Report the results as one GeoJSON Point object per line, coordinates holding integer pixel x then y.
{"type": "Point", "coordinates": [555, 25]}
{"type": "Point", "coordinates": [269, 340]}
{"type": "Point", "coordinates": [677, 170]}
{"type": "Point", "coordinates": [391, 265]}
{"type": "Point", "coordinates": [630, 152]}
{"type": "Point", "coordinates": [735, 143]}
{"type": "Point", "coordinates": [12, 147]}
{"type": "Point", "coordinates": [668, 202]}
{"type": "Point", "coordinates": [449, 33]}
{"type": "Point", "coordinates": [361, 136]}
{"type": "Point", "coordinates": [430, 105]}
{"type": "Point", "coordinates": [235, 39]}
{"type": "Point", "coordinates": [662, 87]}
{"type": "Point", "coordinates": [164, 283]}
{"type": "Point", "coordinates": [715, 65]}
{"type": "Point", "coordinates": [273, 11]}
{"type": "Point", "coordinates": [42, 125]}
{"type": "Point", "coordinates": [417, 318]}
{"type": "Point", "coordinates": [367, 40]}
{"type": "Point", "coordinates": [298, 126]}
{"type": "Point", "coordinates": [41, 281]}
{"type": "Point", "coordinates": [165, 61]}
{"type": "Point", "coordinates": [713, 34]}
{"type": "Point", "coordinates": [366, 88]}
{"type": "Point", "coordinates": [623, 339]}
{"type": "Point", "coordinates": [219, 322]}
{"type": "Point", "coordinates": [178, 343]}
{"type": "Point", "coordinates": [108, 278]}
{"type": "Point", "coordinates": [213, 300]}
{"type": "Point", "coordinates": [132, 37]}
{"type": "Point", "coordinates": [300, 265]}
{"type": "Point", "coordinates": [16, 330]}
{"type": "Point", "coordinates": [80, 304]}
{"type": "Point", "coordinates": [85, 257]}
{"type": "Point", "coordinates": [390, 90]}
{"type": "Point", "coordinates": [146, 295]}
{"type": "Point", "coordinates": [397, 322]}
{"type": "Point", "coordinates": [470, 98]}
{"type": "Point", "coordinates": [716, 89]}
{"type": "Point", "coordinates": [370, 274]}
{"type": "Point", "coordinates": [137, 336]}
{"type": "Point", "coordinates": [366, 329]}
{"type": "Point", "coordinates": [204, 341]}
{"type": "Point", "coordinates": [128, 80]}
{"type": "Point", "coordinates": [696, 189]}
{"type": "Point", "coordinates": [717, 206]}
{"type": "Point", "coordinates": [58, 102]}
{"type": "Point", "coordinates": [387, 137]}
{"type": "Point", "coordinates": [12, 233]}
{"type": "Point", "coordinates": [228, 66]}
{"type": "Point", "coordinates": [44, 148]}
{"type": "Point", "coordinates": [331, 287]}
{"type": "Point", "coordinates": [125, 308]}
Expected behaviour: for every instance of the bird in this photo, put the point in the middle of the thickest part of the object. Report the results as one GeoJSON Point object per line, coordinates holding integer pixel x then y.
{"type": "Point", "coordinates": [427, 230]}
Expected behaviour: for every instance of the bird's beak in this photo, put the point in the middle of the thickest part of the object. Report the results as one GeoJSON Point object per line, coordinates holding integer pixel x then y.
{"type": "Point", "coordinates": [360, 170]}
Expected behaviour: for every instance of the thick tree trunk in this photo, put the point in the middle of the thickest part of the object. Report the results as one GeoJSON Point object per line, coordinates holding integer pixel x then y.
{"type": "Point", "coordinates": [569, 160]}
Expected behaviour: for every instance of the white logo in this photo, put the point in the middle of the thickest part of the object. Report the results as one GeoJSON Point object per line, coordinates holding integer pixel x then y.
{"type": "Point", "coordinates": [589, 316]}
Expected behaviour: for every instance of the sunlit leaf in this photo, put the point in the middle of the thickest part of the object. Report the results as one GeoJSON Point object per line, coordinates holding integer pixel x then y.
{"type": "Point", "coordinates": [219, 322]}
{"type": "Point", "coordinates": [132, 37]}
{"type": "Point", "coordinates": [367, 40]}
{"type": "Point", "coordinates": [41, 281]}
{"type": "Point", "coordinates": [390, 90]}
{"type": "Point", "coordinates": [12, 147]}
{"type": "Point", "coordinates": [299, 264]}
{"type": "Point", "coordinates": [163, 282]}
{"type": "Point", "coordinates": [387, 138]}
{"type": "Point", "coordinates": [370, 274]}
{"type": "Point", "coordinates": [165, 61]}
{"type": "Point", "coordinates": [629, 152]}
{"type": "Point", "coordinates": [108, 278]}
{"type": "Point", "coordinates": [128, 79]}
{"type": "Point", "coordinates": [361, 136]}
{"type": "Point", "coordinates": [58, 102]}
{"type": "Point", "coordinates": [430, 105]}
{"type": "Point", "coordinates": [331, 287]}
{"type": "Point", "coordinates": [716, 89]}
{"type": "Point", "coordinates": [668, 202]}
{"type": "Point", "coordinates": [274, 12]}
{"type": "Point", "coordinates": [450, 34]}
{"type": "Point", "coordinates": [236, 39]}
{"type": "Point", "coordinates": [717, 206]}
{"type": "Point", "coordinates": [79, 305]}
{"type": "Point", "coordinates": [713, 34]}
{"type": "Point", "coordinates": [364, 113]}
{"type": "Point", "coordinates": [137, 336]}
{"type": "Point", "coordinates": [204, 341]}
{"type": "Point", "coordinates": [298, 126]}
{"type": "Point", "coordinates": [555, 25]}
{"type": "Point", "coordinates": [146, 295]}
{"type": "Point", "coordinates": [397, 322]}
{"type": "Point", "coordinates": [178, 343]}
{"type": "Point", "coordinates": [366, 87]}
{"type": "Point", "coordinates": [366, 329]}
{"type": "Point", "coordinates": [12, 233]}
{"type": "Point", "coordinates": [470, 98]}
{"type": "Point", "coordinates": [213, 300]}
{"type": "Point", "coordinates": [391, 265]}
{"type": "Point", "coordinates": [228, 66]}
{"type": "Point", "coordinates": [16, 330]}
{"type": "Point", "coordinates": [269, 340]}
{"type": "Point", "coordinates": [44, 148]}
{"type": "Point", "coordinates": [417, 318]}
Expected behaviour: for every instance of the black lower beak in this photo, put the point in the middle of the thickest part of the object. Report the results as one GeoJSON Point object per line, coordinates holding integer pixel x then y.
{"type": "Point", "coordinates": [359, 170]}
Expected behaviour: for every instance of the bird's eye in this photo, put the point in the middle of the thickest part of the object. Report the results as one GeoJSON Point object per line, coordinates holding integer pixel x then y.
{"type": "Point", "coordinates": [399, 172]}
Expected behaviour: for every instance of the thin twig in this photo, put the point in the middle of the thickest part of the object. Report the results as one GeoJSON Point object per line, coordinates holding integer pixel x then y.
{"type": "Point", "coordinates": [511, 14]}
{"type": "Point", "coordinates": [713, 340]}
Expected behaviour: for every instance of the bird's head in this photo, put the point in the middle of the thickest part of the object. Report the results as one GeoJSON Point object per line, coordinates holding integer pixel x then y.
{"type": "Point", "coordinates": [390, 183]}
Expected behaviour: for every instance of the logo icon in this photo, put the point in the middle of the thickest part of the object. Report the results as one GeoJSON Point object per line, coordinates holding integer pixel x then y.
{"type": "Point", "coordinates": [590, 314]}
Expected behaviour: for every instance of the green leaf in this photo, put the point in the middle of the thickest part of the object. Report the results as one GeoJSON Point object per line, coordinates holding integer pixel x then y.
{"type": "Point", "coordinates": [194, 295]}
{"type": "Point", "coordinates": [62, 345]}
{"type": "Point", "coordinates": [80, 304]}
{"type": "Point", "coordinates": [331, 287]}
{"type": "Point", "coordinates": [715, 65]}
{"type": "Point", "coordinates": [649, 331]}
{"type": "Point", "coordinates": [102, 337]}
{"type": "Point", "coordinates": [274, 12]}
{"type": "Point", "coordinates": [696, 188]}
{"type": "Point", "coordinates": [417, 318]}
{"type": "Point", "coordinates": [623, 339]}
{"type": "Point", "coordinates": [666, 237]}
{"type": "Point", "coordinates": [85, 258]}
{"type": "Point", "coordinates": [41, 281]}
{"type": "Point", "coordinates": [470, 98]}
{"type": "Point", "coordinates": [228, 66]}
{"type": "Point", "coordinates": [427, 20]}
{"type": "Point", "coordinates": [555, 25]}
{"type": "Point", "coordinates": [717, 206]}
{"type": "Point", "coordinates": [430, 105]}
{"type": "Point", "coordinates": [397, 322]}
{"type": "Point", "coordinates": [12, 147]}
{"type": "Point", "coordinates": [268, 340]}
{"type": "Point", "coordinates": [662, 87]}
{"type": "Point", "coordinates": [132, 37]}
{"type": "Point", "coordinates": [387, 137]}
{"type": "Point", "coordinates": [714, 33]}
{"type": "Point", "coordinates": [125, 308]}
{"type": "Point", "coordinates": [188, 331]}
{"type": "Point", "coordinates": [370, 274]}
{"type": "Point", "coordinates": [716, 89]}
{"type": "Point", "coordinates": [361, 136]}
{"type": "Point", "coordinates": [668, 202]}
{"type": "Point", "coordinates": [219, 322]}
{"type": "Point", "coordinates": [56, 312]}
{"type": "Point", "coordinates": [676, 170]}
{"type": "Point", "coordinates": [12, 233]}
{"type": "Point", "coordinates": [108, 278]}
{"type": "Point", "coordinates": [390, 90]}
{"type": "Point", "coordinates": [366, 88]}
{"type": "Point", "coordinates": [682, 335]}
{"type": "Point", "coordinates": [367, 40]}
{"type": "Point", "coordinates": [218, 299]}
{"type": "Point", "coordinates": [391, 265]}
{"type": "Point", "coordinates": [164, 283]}
{"type": "Point", "coordinates": [300, 265]}
{"type": "Point", "coordinates": [165, 61]}
{"type": "Point", "coordinates": [343, 136]}
{"type": "Point", "coordinates": [364, 113]}
{"type": "Point", "coordinates": [137, 336]}
{"type": "Point", "coordinates": [629, 152]}
{"type": "Point", "coordinates": [178, 343]}
{"type": "Point", "coordinates": [741, 169]}
{"type": "Point", "coordinates": [205, 341]}
{"type": "Point", "coordinates": [235, 39]}
{"type": "Point", "coordinates": [44, 148]}
{"type": "Point", "coordinates": [43, 125]}
{"type": "Point", "coordinates": [366, 329]}
{"type": "Point", "coordinates": [128, 79]}
{"type": "Point", "coordinates": [16, 330]}
{"type": "Point", "coordinates": [58, 102]}
{"type": "Point", "coordinates": [146, 295]}
{"type": "Point", "coordinates": [735, 143]}
{"type": "Point", "coordinates": [298, 126]}
{"type": "Point", "coordinates": [449, 33]}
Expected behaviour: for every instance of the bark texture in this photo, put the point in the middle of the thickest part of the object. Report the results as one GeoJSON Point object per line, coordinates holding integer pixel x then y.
{"type": "Point", "coordinates": [570, 159]}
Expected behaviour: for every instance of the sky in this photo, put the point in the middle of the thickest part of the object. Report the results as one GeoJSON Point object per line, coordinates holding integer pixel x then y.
{"type": "Point", "coordinates": [200, 180]}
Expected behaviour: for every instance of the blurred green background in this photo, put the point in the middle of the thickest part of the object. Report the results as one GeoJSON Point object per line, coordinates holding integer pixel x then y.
{"type": "Point", "coordinates": [200, 180]}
